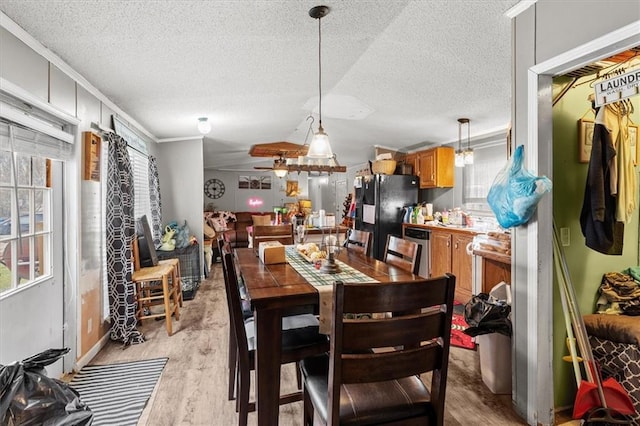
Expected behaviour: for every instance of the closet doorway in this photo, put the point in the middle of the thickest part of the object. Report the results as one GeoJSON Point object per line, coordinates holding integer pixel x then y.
{"type": "Point", "coordinates": [574, 115]}
{"type": "Point", "coordinates": [539, 145]}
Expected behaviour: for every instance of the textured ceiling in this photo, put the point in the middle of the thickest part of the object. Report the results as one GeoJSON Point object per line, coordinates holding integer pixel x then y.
{"type": "Point", "coordinates": [395, 74]}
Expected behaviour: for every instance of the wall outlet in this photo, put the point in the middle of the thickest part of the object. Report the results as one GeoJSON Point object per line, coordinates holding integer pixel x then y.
{"type": "Point", "coordinates": [89, 325]}
{"type": "Point", "coordinates": [565, 237]}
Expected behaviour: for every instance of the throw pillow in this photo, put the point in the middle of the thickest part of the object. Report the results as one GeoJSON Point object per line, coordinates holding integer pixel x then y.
{"type": "Point", "coordinates": [261, 220]}
{"type": "Point", "coordinates": [208, 231]}
{"type": "Point", "coordinates": [219, 224]}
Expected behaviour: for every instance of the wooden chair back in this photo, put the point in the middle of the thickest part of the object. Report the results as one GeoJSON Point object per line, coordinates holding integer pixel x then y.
{"type": "Point", "coordinates": [402, 253]}
{"type": "Point", "coordinates": [281, 233]}
{"type": "Point", "coordinates": [135, 253]}
{"type": "Point", "coordinates": [359, 241]}
{"type": "Point", "coordinates": [416, 338]}
{"type": "Point", "coordinates": [234, 304]}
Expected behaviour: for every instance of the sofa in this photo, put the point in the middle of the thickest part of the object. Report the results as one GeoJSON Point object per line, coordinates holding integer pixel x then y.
{"type": "Point", "coordinates": [236, 234]}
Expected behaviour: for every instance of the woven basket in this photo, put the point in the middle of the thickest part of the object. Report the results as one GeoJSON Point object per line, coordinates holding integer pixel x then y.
{"type": "Point", "coordinates": [384, 167]}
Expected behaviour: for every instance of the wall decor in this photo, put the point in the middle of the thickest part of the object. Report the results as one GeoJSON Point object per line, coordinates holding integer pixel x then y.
{"type": "Point", "coordinates": [129, 135]}
{"type": "Point", "coordinates": [214, 188]}
{"type": "Point", "coordinates": [254, 182]}
{"type": "Point", "coordinates": [292, 188]}
{"type": "Point", "coordinates": [585, 137]}
{"type": "Point", "coordinates": [243, 182]}
{"type": "Point", "coordinates": [265, 182]}
{"type": "Point", "coordinates": [92, 146]}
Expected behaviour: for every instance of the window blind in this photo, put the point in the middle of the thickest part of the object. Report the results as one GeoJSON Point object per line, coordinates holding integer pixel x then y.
{"type": "Point", "coordinates": [478, 177]}
{"type": "Point", "coordinates": [140, 170]}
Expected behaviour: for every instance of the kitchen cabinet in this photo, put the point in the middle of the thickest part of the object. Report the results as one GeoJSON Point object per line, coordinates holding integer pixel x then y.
{"type": "Point", "coordinates": [412, 160]}
{"type": "Point", "coordinates": [436, 167]}
{"type": "Point", "coordinates": [462, 267]}
{"type": "Point", "coordinates": [449, 255]}
{"type": "Point", "coordinates": [440, 253]}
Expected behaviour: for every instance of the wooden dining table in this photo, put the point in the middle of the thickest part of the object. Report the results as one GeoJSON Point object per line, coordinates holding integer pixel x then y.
{"type": "Point", "coordinates": [278, 290]}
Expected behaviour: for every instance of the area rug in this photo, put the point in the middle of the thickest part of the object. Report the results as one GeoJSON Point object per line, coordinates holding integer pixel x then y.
{"type": "Point", "coordinates": [117, 393]}
{"type": "Point", "coordinates": [458, 325]}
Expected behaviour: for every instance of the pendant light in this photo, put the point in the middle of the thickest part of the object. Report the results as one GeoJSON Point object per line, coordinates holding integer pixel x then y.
{"type": "Point", "coordinates": [281, 170]}
{"type": "Point", "coordinates": [468, 152]}
{"type": "Point", "coordinates": [459, 159]}
{"type": "Point", "coordinates": [204, 126]}
{"type": "Point", "coordinates": [319, 147]}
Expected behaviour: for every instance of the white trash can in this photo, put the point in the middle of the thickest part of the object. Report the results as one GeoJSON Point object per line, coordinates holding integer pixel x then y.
{"type": "Point", "coordinates": [495, 351]}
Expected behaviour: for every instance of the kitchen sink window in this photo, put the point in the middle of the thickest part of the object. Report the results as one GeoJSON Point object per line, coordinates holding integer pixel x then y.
{"type": "Point", "coordinates": [489, 159]}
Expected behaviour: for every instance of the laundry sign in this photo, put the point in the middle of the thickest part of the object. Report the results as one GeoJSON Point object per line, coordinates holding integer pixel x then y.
{"type": "Point", "coordinates": [618, 88]}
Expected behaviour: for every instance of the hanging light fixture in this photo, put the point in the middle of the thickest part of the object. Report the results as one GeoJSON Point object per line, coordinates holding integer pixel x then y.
{"type": "Point", "coordinates": [204, 126]}
{"type": "Point", "coordinates": [459, 159]}
{"type": "Point", "coordinates": [280, 167]}
{"type": "Point", "coordinates": [319, 147]}
{"type": "Point", "coordinates": [468, 152]}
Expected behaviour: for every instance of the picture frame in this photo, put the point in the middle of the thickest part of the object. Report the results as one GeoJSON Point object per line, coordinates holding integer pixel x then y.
{"type": "Point", "coordinates": [254, 182]}
{"type": "Point", "coordinates": [243, 182]}
{"type": "Point", "coordinates": [292, 188]}
{"type": "Point", "coordinates": [92, 147]}
{"type": "Point", "coordinates": [265, 182]}
{"type": "Point", "coordinates": [585, 137]}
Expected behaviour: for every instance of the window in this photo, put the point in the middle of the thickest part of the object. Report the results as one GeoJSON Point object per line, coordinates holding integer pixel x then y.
{"type": "Point", "coordinates": [489, 159]}
{"type": "Point", "coordinates": [25, 220]}
{"type": "Point", "coordinates": [140, 169]}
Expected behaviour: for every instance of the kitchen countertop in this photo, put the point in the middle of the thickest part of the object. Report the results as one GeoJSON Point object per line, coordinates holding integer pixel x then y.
{"type": "Point", "coordinates": [493, 255]}
{"type": "Point", "coordinates": [452, 228]}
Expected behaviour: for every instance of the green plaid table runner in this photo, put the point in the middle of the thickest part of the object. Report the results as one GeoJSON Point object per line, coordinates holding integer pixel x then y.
{"type": "Point", "coordinates": [317, 278]}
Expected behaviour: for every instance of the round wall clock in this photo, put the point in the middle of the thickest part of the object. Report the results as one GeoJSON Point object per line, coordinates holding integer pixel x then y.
{"type": "Point", "coordinates": [214, 188]}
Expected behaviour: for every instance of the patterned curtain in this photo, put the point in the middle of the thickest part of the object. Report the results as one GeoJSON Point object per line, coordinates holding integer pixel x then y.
{"type": "Point", "coordinates": [156, 203]}
{"type": "Point", "coordinates": [120, 228]}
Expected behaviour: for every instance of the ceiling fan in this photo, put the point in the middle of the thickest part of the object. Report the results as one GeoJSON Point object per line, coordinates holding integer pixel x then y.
{"type": "Point", "coordinates": [281, 151]}
{"type": "Point", "coordinates": [280, 167]}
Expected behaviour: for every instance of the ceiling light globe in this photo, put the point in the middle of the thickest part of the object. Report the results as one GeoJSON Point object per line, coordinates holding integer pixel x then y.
{"type": "Point", "coordinates": [468, 156]}
{"type": "Point", "coordinates": [204, 126]}
{"type": "Point", "coordinates": [320, 147]}
{"type": "Point", "coordinates": [280, 172]}
{"type": "Point", "coordinates": [459, 159]}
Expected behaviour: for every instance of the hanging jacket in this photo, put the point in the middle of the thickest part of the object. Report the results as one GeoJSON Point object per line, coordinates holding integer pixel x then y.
{"type": "Point", "coordinates": [598, 216]}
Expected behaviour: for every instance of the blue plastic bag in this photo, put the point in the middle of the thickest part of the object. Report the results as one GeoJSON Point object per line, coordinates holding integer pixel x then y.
{"type": "Point", "coordinates": [515, 192]}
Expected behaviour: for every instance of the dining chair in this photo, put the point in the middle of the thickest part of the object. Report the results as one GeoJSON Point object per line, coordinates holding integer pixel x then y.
{"type": "Point", "coordinates": [280, 233]}
{"type": "Point", "coordinates": [402, 253]}
{"type": "Point", "coordinates": [372, 373]}
{"type": "Point", "coordinates": [300, 339]}
{"type": "Point", "coordinates": [359, 241]}
{"type": "Point", "coordinates": [224, 247]}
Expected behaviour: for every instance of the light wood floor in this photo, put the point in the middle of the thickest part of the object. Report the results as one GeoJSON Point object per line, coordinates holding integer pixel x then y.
{"type": "Point", "coordinates": [193, 386]}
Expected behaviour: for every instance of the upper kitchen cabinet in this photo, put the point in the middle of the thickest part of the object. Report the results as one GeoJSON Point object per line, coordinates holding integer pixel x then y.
{"type": "Point", "coordinates": [436, 167]}
{"type": "Point", "coordinates": [412, 160]}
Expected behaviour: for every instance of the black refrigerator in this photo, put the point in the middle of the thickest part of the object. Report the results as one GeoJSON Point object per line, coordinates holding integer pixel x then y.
{"type": "Point", "coordinates": [380, 202]}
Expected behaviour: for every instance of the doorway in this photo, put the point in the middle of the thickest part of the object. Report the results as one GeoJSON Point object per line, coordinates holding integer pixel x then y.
{"type": "Point", "coordinates": [534, 242]}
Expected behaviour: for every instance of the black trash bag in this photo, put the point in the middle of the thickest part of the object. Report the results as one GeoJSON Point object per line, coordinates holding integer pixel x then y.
{"type": "Point", "coordinates": [485, 314]}
{"type": "Point", "coordinates": [29, 397]}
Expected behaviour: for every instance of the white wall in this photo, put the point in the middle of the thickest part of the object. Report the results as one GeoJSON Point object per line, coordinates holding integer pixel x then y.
{"type": "Point", "coordinates": [236, 199]}
{"type": "Point", "coordinates": [180, 168]}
